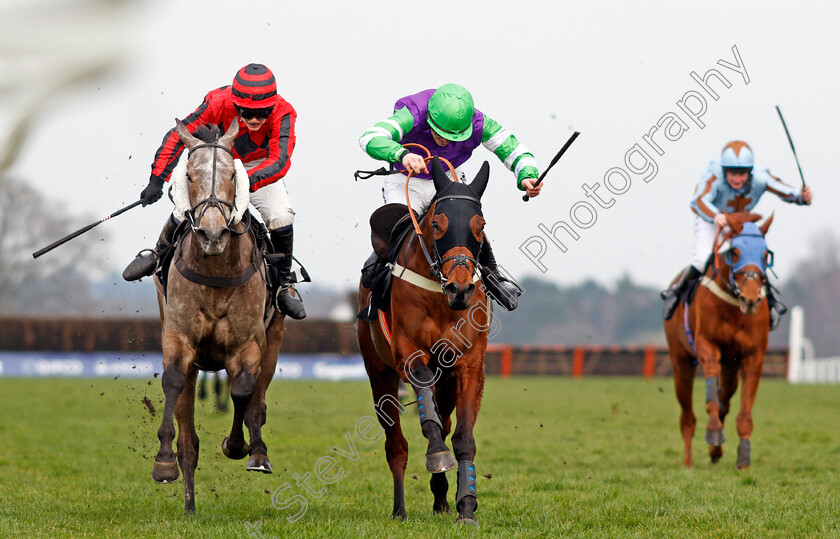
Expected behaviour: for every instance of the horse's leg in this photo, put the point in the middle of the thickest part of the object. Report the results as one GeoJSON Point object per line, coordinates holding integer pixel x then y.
{"type": "Point", "coordinates": [470, 380]}
{"type": "Point", "coordinates": [684, 369]}
{"type": "Point", "coordinates": [445, 396]}
{"type": "Point", "coordinates": [255, 414]}
{"type": "Point", "coordinates": [438, 456]}
{"type": "Point", "coordinates": [709, 356]}
{"type": "Point", "coordinates": [243, 386]}
{"type": "Point", "coordinates": [165, 469]}
{"type": "Point", "coordinates": [751, 372]}
{"type": "Point", "coordinates": [384, 386]}
{"type": "Point", "coordinates": [219, 391]}
{"type": "Point", "coordinates": [728, 386]}
{"type": "Point", "coordinates": [187, 438]}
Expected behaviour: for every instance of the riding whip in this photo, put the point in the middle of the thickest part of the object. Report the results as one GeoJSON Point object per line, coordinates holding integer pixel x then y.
{"type": "Point", "coordinates": [554, 161]}
{"type": "Point", "coordinates": [81, 231]}
{"type": "Point", "coordinates": [790, 140]}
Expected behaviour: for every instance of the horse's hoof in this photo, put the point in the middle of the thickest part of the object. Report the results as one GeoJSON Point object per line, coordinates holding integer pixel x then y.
{"type": "Point", "coordinates": [259, 463]}
{"type": "Point", "coordinates": [442, 507]}
{"type": "Point", "coordinates": [235, 455]}
{"type": "Point", "coordinates": [440, 462]}
{"type": "Point", "coordinates": [165, 472]}
{"type": "Point", "coordinates": [465, 519]}
{"type": "Point", "coordinates": [399, 514]}
{"type": "Point", "coordinates": [715, 437]}
{"type": "Point", "coordinates": [715, 453]}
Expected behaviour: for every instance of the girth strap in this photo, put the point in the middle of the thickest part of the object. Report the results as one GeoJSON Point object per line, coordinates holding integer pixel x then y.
{"type": "Point", "coordinates": [217, 281]}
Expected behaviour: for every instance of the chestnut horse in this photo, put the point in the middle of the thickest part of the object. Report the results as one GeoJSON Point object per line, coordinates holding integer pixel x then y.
{"type": "Point", "coordinates": [212, 314]}
{"type": "Point", "coordinates": [439, 321]}
{"type": "Point", "coordinates": [725, 329]}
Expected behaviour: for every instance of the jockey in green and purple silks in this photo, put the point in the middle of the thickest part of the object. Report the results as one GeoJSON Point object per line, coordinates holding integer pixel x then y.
{"type": "Point", "coordinates": [445, 121]}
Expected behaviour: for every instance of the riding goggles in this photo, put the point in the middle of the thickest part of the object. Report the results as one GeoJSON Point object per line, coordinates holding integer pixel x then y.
{"type": "Point", "coordinates": [259, 114]}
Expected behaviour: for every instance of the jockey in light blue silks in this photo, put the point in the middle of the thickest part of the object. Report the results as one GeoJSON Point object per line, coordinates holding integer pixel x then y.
{"type": "Point", "coordinates": [445, 121]}
{"type": "Point", "coordinates": [731, 183]}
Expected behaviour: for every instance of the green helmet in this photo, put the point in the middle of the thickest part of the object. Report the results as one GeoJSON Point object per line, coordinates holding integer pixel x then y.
{"type": "Point", "coordinates": [451, 112]}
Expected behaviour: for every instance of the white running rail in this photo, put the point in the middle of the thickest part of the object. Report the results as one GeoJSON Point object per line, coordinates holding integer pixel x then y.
{"type": "Point", "coordinates": [802, 365]}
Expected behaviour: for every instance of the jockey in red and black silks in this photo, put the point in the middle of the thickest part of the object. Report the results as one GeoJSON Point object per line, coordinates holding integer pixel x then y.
{"type": "Point", "coordinates": [264, 145]}
{"type": "Point", "coordinates": [732, 183]}
{"type": "Point", "coordinates": [271, 145]}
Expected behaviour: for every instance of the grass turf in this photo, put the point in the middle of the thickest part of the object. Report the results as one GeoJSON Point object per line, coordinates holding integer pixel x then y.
{"type": "Point", "coordinates": [598, 457]}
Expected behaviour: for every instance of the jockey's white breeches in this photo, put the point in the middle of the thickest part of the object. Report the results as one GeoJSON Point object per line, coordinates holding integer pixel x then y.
{"type": "Point", "coordinates": [704, 242]}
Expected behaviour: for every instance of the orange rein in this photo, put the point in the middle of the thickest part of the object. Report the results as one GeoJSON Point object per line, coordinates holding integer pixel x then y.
{"type": "Point", "coordinates": [426, 160]}
{"type": "Point", "coordinates": [720, 240]}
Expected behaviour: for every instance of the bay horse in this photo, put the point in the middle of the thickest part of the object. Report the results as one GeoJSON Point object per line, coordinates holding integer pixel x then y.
{"type": "Point", "coordinates": [725, 330]}
{"type": "Point", "coordinates": [212, 312]}
{"type": "Point", "coordinates": [432, 334]}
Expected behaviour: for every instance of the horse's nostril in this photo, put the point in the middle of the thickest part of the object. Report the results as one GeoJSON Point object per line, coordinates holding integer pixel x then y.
{"type": "Point", "coordinates": [451, 289]}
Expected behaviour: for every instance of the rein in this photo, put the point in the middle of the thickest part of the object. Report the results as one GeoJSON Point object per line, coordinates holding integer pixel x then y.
{"type": "Point", "coordinates": [436, 263]}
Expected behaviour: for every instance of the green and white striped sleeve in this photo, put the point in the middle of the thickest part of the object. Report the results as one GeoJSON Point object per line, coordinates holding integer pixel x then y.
{"type": "Point", "coordinates": [510, 151]}
{"type": "Point", "coordinates": [382, 140]}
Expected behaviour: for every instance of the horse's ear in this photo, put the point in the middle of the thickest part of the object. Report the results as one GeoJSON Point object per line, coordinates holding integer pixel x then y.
{"type": "Point", "coordinates": [439, 176]}
{"type": "Point", "coordinates": [766, 225]}
{"type": "Point", "coordinates": [230, 135]}
{"type": "Point", "coordinates": [480, 182]}
{"type": "Point", "coordinates": [189, 141]}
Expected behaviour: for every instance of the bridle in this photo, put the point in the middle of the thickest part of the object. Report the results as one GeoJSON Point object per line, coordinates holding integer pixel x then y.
{"type": "Point", "coordinates": [212, 201]}
{"type": "Point", "coordinates": [437, 263]}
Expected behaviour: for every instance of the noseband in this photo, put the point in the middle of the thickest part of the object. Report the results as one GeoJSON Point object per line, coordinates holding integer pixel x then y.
{"type": "Point", "coordinates": [212, 201]}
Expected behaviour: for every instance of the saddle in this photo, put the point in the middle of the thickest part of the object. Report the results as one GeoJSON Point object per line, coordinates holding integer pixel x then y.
{"type": "Point", "coordinates": [389, 227]}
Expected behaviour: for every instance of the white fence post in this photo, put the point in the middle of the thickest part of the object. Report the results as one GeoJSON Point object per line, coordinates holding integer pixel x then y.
{"type": "Point", "coordinates": [797, 333]}
{"type": "Point", "coordinates": [802, 365]}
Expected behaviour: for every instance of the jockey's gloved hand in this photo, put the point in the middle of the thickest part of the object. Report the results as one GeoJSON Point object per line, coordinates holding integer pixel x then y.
{"type": "Point", "coordinates": [152, 192]}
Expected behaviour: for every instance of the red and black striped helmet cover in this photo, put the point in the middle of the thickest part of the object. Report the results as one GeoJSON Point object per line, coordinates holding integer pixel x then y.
{"type": "Point", "coordinates": [254, 87]}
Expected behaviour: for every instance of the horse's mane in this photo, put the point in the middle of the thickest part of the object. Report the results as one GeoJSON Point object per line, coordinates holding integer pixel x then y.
{"type": "Point", "coordinates": [208, 133]}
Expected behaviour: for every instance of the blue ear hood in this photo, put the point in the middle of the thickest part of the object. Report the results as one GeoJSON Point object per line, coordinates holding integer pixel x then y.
{"type": "Point", "coordinates": [751, 246]}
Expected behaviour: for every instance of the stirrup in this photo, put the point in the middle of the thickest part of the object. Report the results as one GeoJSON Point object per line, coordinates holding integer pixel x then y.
{"type": "Point", "coordinates": [670, 303]}
{"type": "Point", "coordinates": [292, 306]}
{"type": "Point", "coordinates": [776, 312]}
{"type": "Point", "coordinates": [502, 291]}
{"type": "Point", "coordinates": [143, 265]}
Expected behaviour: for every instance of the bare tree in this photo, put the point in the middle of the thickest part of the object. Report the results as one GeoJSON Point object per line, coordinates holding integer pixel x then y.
{"type": "Point", "coordinates": [54, 283]}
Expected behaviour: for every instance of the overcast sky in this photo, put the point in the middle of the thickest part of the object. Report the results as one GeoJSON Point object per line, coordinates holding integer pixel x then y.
{"type": "Point", "coordinates": [610, 70]}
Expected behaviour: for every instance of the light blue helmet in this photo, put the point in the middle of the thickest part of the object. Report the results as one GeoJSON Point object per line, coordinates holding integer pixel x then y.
{"type": "Point", "coordinates": [737, 154]}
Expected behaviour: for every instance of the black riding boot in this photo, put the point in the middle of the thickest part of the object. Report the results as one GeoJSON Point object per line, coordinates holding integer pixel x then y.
{"type": "Point", "coordinates": [504, 291]}
{"type": "Point", "coordinates": [147, 260]}
{"type": "Point", "coordinates": [671, 297]}
{"type": "Point", "coordinates": [777, 308]}
{"type": "Point", "coordinates": [281, 269]}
